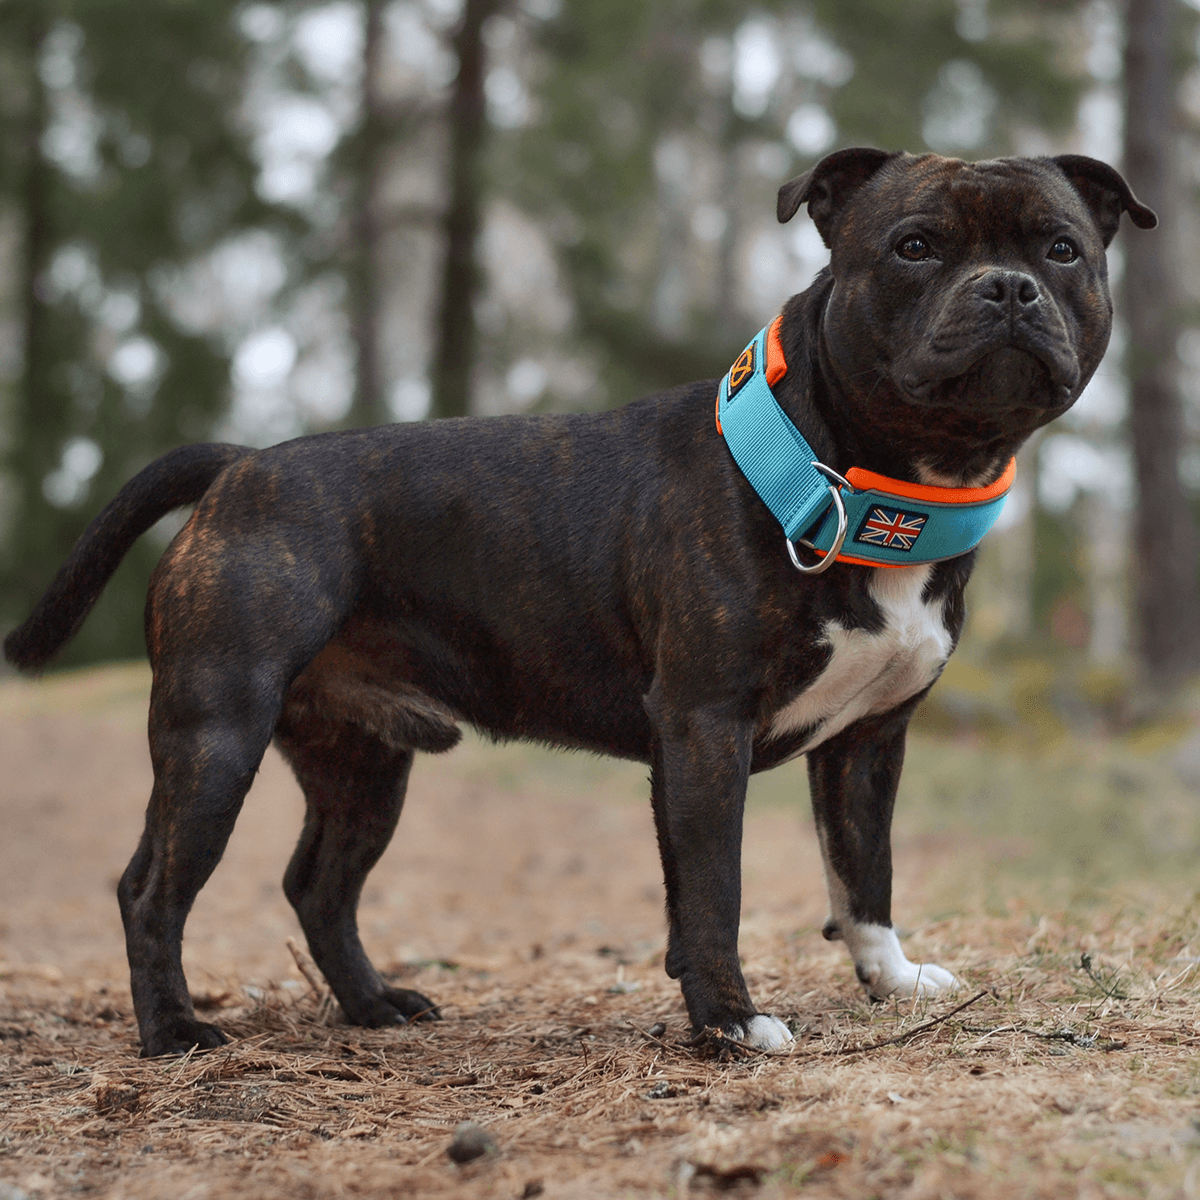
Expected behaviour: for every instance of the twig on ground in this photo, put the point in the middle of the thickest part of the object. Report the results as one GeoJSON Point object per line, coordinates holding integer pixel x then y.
{"type": "Point", "coordinates": [184, 1062]}
{"type": "Point", "coordinates": [308, 969]}
{"type": "Point", "coordinates": [903, 1037]}
{"type": "Point", "coordinates": [647, 1034]}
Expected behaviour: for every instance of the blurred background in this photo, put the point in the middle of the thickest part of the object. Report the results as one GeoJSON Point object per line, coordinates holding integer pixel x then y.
{"type": "Point", "coordinates": [247, 221]}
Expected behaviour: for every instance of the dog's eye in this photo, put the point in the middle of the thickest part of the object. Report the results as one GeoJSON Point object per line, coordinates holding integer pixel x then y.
{"type": "Point", "coordinates": [1063, 251]}
{"type": "Point", "coordinates": [913, 248]}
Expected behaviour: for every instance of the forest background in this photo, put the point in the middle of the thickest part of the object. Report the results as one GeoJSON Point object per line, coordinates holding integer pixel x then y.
{"type": "Point", "coordinates": [250, 221]}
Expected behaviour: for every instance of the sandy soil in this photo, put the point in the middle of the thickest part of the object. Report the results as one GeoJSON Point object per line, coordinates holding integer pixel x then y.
{"type": "Point", "coordinates": [522, 893]}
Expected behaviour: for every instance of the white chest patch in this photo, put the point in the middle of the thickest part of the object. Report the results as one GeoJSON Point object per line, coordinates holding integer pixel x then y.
{"type": "Point", "coordinates": [871, 673]}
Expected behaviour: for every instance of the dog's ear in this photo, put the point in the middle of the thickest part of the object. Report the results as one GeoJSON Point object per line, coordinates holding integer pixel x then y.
{"type": "Point", "coordinates": [1105, 192]}
{"type": "Point", "coordinates": [827, 186]}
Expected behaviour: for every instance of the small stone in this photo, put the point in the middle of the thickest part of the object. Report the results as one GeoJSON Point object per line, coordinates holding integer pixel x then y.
{"type": "Point", "coordinates": [470, 1142]}
{"type": "Point", "coordinates": [10, 1191]}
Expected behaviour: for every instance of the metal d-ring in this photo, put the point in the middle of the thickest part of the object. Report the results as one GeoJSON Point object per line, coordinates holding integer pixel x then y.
{"type": "Point", "coordinates": [834, 550]}
{"type": "Point", "coordinates": [830, 473]}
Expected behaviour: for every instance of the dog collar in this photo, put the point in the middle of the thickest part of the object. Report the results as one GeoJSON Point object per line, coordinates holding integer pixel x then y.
{"type": "Point", "coordinates": [863, 518]}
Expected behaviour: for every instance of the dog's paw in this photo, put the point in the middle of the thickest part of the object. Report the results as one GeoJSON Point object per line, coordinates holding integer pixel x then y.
{"type": "Point", "coordinates": [761, 1031]}
{"type": "Point", "coordinates": [179, 1037]}
{"type": "Point", "coordinates": [413, 1005]}
{"type": "Point", "coordinates": [393, 1006]}
{"type": "Point", "coordinates": [922, 980]}
{"type": "Point", "coordinates": [886, 971]}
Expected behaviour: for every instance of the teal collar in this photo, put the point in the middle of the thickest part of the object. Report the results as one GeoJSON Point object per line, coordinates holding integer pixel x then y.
{"type": "Point", "coordinates": [863, 518]}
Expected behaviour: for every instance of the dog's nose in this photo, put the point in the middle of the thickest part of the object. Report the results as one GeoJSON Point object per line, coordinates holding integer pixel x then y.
{"type": "Point", "coordinates": [1008, 289]}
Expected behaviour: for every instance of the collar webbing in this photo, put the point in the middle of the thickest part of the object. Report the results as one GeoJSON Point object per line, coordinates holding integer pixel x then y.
{"type": "Point", "coordinates": [890, 523]}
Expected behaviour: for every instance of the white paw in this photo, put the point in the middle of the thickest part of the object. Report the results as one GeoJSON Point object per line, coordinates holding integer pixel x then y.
{"type": "Point", "coordinates": [763, 1033]}
{"type": "Point", "coordinates": [923, 980]}
{"type": "Point", "coordinates": [886, 971]}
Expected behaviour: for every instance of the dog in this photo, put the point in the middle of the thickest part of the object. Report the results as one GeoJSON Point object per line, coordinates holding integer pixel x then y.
{"type": "Point", "coordinates": [617, 582]}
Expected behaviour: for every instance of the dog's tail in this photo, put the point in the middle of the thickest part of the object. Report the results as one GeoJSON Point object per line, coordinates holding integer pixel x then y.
{"type": "Point", "coordinates": [178, 478]}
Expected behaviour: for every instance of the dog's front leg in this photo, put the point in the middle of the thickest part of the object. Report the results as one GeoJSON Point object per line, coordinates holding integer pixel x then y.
{"type": "Point", "coordinates": [853, 778]}
{"type": "Point", "coordinates": [698, 784]}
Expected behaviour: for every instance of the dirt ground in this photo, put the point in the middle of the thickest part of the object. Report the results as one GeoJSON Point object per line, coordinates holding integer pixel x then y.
{"type": "Point", "coordinates": [522, 893]}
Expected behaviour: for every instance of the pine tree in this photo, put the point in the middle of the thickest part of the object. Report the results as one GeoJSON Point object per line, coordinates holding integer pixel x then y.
{"type": "Point", "coordinates": [125, 156]}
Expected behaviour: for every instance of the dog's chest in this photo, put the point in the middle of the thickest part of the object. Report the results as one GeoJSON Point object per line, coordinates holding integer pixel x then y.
{"type": "Point", "coordinates": [872, 672]}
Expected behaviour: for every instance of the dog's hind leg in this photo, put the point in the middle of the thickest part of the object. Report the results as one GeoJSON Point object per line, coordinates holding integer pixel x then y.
{"type": "Point", "coordinates": [205, 757]}
{"type": "Point", "coordinates": [853, 779]}
{"type": "Point", "coordinates": [233, 616]}
{"type": "Point", "coordinates": [354, 784]}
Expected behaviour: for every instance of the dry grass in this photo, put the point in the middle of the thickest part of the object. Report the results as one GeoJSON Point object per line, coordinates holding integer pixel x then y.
{"type": "Point", "coordinates": [1074, 1074]}
{"type": "Point", "coordinates": [1056, 1082]}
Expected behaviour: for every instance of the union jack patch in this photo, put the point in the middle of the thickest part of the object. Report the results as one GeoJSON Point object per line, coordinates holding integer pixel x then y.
{"type": "Point", "coordinates": [741, 370]}
{"type": "Point", "coordinates": [892, 527]}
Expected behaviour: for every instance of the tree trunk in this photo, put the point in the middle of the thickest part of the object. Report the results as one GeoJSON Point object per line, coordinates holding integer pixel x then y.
{"type": "Point", "coordinates": [1107, 531]}
{"type": "Point", "coordinates": [1164, 557]}
{"type": "Point", "coordinates": [456, 338]}
{"type": "Point", "coordinates": [369, 406]}
{"type": "Point", "coordinates": [41, 415]}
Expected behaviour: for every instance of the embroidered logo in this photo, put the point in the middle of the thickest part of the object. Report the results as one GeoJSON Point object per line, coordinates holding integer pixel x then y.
{"type": "Point", "coordinates": [892, 527]}
{"type": "Point", "coordinates": [741, 370]}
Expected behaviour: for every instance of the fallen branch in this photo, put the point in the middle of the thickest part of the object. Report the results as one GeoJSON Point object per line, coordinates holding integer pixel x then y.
{"type": "Point", "coordinates": [308, 969]}
{"type": "Point", "coordinates": [650, 1037]}
{"type": "Point", "coordinates": [903, 1037]}
{"type": "Point", "coordinates": [1085, 1041]}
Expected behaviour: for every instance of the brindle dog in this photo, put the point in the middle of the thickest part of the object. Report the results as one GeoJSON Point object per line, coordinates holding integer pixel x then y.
{"type": "Point", "coordinates": [608, 581]}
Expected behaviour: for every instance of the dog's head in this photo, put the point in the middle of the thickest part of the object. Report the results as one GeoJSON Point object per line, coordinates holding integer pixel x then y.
{"type": "Point", "coordinates": [977, 292]}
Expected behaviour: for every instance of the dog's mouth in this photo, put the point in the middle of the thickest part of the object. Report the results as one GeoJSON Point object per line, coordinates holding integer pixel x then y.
{"type": "Point", "coordinates": [1003, 379]}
